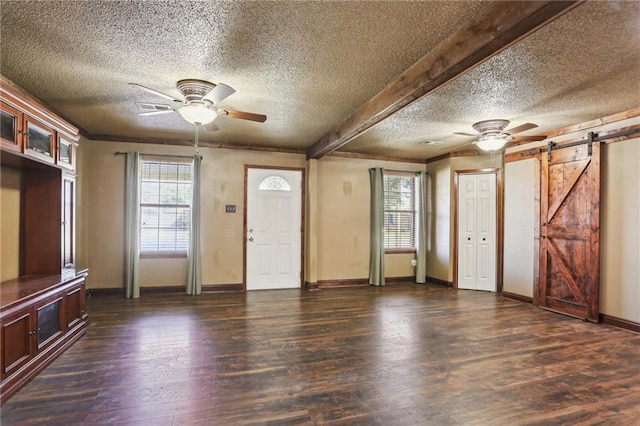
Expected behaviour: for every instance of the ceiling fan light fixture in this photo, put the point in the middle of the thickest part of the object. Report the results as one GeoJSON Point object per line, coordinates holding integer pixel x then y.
{"type": "Point", "coordinates": [197, 114]}
{"type": "Point", "coordinates": [493, 141]}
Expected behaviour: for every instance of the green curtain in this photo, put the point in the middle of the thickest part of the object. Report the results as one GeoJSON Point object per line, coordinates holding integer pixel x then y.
{"type": "Point", "coordinates": [376, 251]}
{"type": "Point", "coordinates": [132, 226]}
{"type": "Point", "coordinates": [421, 246]}
{"type": "Point", "coordinates": [194, 261]}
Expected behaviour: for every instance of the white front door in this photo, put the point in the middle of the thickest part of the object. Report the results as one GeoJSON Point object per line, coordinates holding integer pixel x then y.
{"type": "Point", "coordinates": [274, 228]}
{"type": "Point", "coordinates": [477, 231]}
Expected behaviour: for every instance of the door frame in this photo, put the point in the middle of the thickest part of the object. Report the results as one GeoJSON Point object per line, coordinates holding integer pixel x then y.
{"type": "Point", "coordinates": [303, 184]}
{"type": "Point", "coordinates": [499, 222]}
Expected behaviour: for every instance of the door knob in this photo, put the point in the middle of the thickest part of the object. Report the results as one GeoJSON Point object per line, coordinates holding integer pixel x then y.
{"type": "Point", "coordinates": [484, 239]}
{"type": "Point", "coordinates": [250, 238]}
{"type": "Point", "coordinates": [468, 238]}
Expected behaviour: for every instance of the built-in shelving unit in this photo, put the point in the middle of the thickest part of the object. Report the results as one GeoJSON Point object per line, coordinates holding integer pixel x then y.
{"type": "Point", "coordinates": [42, 310]}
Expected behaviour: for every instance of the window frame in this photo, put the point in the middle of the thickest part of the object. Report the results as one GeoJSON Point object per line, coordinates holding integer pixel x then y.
{"type": "Point", "coordinates": [413, 175]}
{"type": "Point", "coordinates": [162, 254]}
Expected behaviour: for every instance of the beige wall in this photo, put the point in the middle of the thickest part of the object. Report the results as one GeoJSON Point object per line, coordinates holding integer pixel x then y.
{"type": "Point", "coordinates": [222, 242]}
{"type": "Point", "coordinates": [82, 203]}
{"type": "Point", "coordinates": [338, 216]}
{"type": "Point", "coordinates": [10, 183]}
{"type": "Point", "coordinates": [519, 227]}
{"type": "Point", "coordinates": [439, 179]}
{"type": "Point", "coordinates": [343, 220]}
{"type": "Point", "coordinates": [620, 237]}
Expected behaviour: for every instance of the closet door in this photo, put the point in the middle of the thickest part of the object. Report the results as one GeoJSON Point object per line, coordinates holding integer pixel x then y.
{"type": "Point", "coordinates": [477, 231]}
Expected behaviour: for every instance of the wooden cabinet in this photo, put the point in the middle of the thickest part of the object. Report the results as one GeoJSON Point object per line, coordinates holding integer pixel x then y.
{"type": "Point", "coordinates": [17, 350]}
{"type": "Point", "coordinates": [10, 127]}
{"type": "Point", "coordinates": [66, 151]}
{"type": "Point", "coordinates": [30, 129]}
{"type": "Point", "coordinates": [42, 311]}
{"type": "Point", "coordinates": [68, 216]}
{"type": "Point", "coordinates": [39, 140]}
{"type": "Point", "coordinates": [40, 317]}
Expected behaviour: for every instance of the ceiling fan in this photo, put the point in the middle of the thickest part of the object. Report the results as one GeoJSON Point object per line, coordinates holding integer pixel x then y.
{"type": "Point", "coordinates": [199, 106]}
{"type": "Point", "coordinates": [492, 135]}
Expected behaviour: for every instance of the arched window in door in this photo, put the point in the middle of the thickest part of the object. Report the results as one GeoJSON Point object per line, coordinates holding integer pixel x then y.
{"type": "Point", "coordinates": [274, 183]}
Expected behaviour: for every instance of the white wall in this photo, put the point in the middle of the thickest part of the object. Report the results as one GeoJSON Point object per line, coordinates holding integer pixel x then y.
{"type": "Point", "coordinates": [519, 227]}
{"type": "Point", "coordinates": [439, 181]}
{"type": "Point", "coordinates": [620, 231]}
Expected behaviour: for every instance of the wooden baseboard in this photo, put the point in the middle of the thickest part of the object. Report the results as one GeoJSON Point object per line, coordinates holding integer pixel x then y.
{"type": "Point", "coordinates": [355, 282]}
{"type": "Point", "coordinates": [518, 297]}
{"type": "Point", "coordinates": [397, 280]}
{"type": "Point", "coordinates": [208, 288]}
{"type": "Point", "coordinates": [439, 282]}
{"type": "Point", "coordinates": [604, 318]}
{"type": "Point", "coordinates": [218, 288]}
{"type": "Point", "coordinates": [361, 282]}
{"type": "Point", "coordinates": [619, 322]}
{"type": "Point", "coordinates": [311, 286]}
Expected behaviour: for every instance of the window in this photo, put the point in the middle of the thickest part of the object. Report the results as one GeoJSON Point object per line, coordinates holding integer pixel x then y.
{"type": "Point", "coordinates": [399, 212]}
{"type": "Point", "coordinates": [274, 183]}
{"type": "Point", "coordinates": [165, 207]}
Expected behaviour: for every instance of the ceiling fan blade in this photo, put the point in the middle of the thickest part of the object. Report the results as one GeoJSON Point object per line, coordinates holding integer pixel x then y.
{"type": "Point", "coordinates": [466, 134]}
{"type": "Point", "coordinates": [521, 128]}
{"type": "Point", "coordinates": [529, 138]}
{"type": "Point", "coordinates": [167, 111]}
{"type": "Point", "coordinates": [211, 127]}
{"type": "Point", "coordinates": [155, 92]}
{"type": "Point", "coordinates": [218, 93]}
{"type": "Point", "coordinates": [261, 118]}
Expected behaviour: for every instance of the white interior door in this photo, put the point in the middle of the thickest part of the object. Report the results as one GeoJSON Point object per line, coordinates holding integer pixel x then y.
{"type": "Point", "coordinates": [477, 231]}
{"type": "Point", "coordinates": [274, 228]}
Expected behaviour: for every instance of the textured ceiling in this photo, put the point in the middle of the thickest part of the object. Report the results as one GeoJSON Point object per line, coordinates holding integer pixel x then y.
{"type": "Point", "coordinates": [308, 65]}
{"type": "Point", "coordinates": [582, 66]}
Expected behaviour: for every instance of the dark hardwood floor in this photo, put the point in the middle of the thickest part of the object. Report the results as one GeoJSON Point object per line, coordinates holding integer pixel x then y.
{"type": "Point", "coordinates": [400, 355]}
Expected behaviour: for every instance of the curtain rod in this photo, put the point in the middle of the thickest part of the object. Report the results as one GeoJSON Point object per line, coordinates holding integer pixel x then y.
{"type": "Point", "coordinates": [399, 171]}
{"type": "Point", "coordinates": [157, 155]}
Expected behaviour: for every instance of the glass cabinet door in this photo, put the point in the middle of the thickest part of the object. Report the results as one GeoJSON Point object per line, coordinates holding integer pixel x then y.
{"type": "Point", "coordinates": [10, 127]}
{"type": "Point", "coordinates": [40, 142]}
{"type": "Point", "coordinates": [49, 317]}
{"type": "Point", "coordinates": [66, 153]}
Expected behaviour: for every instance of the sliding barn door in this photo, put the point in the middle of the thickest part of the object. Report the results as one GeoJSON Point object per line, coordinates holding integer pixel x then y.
{"type": "Point", "coordinates": [570, 231]}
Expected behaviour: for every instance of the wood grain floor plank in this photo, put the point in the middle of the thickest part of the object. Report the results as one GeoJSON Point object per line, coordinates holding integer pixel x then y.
{"type": "Point", "coordinates": [400, 355]}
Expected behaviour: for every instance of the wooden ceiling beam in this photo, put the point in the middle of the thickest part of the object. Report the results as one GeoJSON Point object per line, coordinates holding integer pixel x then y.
{"type": "Point", "coordinates": [499, 26]}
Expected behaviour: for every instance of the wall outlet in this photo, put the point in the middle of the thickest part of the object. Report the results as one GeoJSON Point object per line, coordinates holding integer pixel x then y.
{"type": "Point", "coordinates": [414, 262]}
